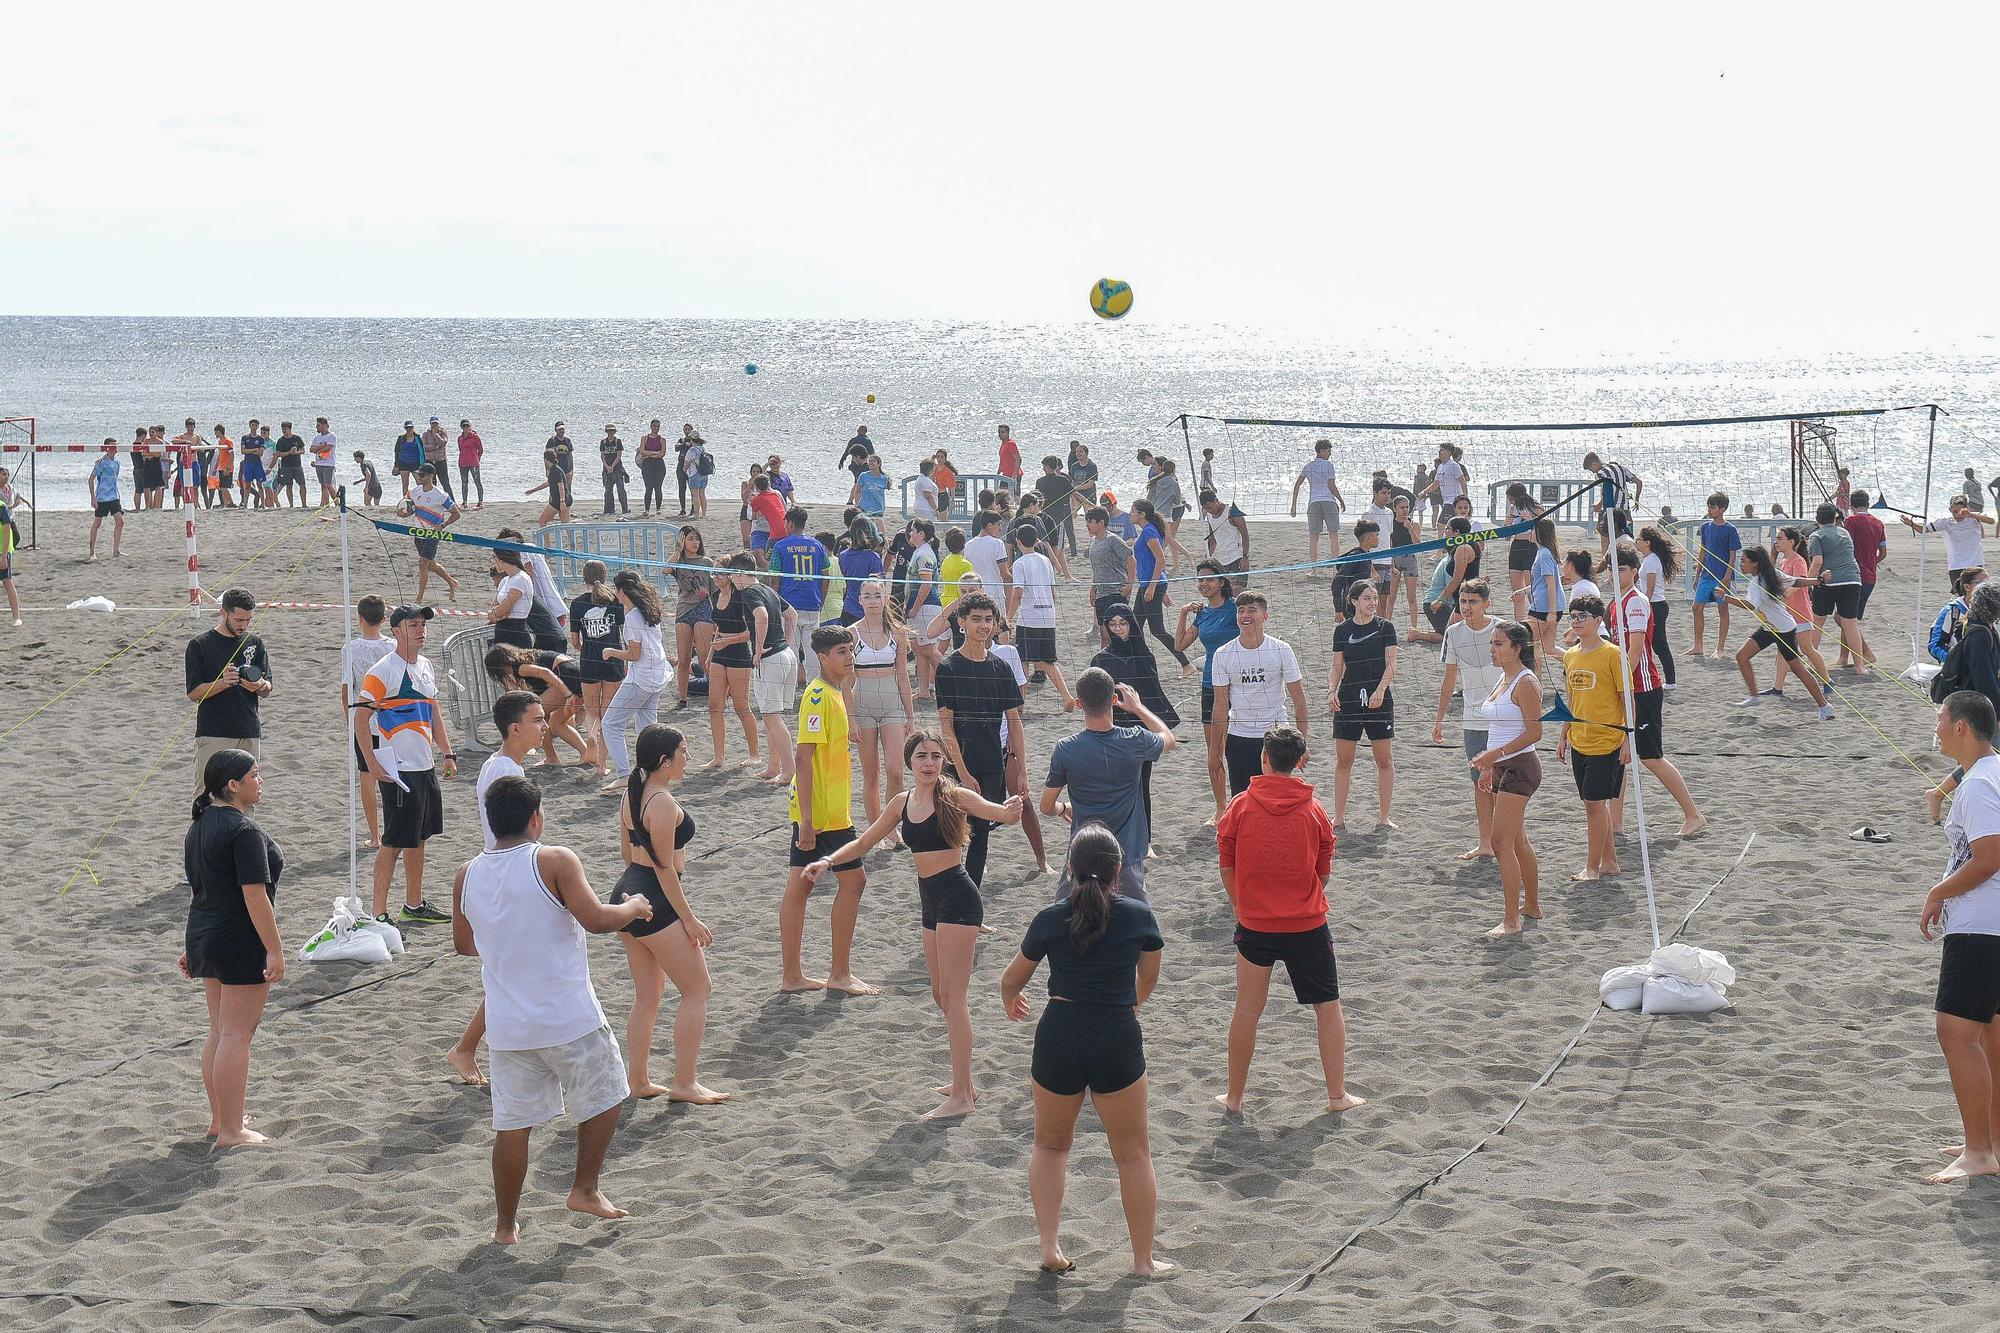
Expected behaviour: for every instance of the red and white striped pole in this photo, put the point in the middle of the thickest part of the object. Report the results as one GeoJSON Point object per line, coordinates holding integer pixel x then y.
{"type": "Point", "coordinates": [194, 570]}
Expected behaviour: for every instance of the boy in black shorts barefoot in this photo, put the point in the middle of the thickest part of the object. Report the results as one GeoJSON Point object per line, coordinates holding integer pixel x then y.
{"type": "Point", "coordinates": [1276, 847]}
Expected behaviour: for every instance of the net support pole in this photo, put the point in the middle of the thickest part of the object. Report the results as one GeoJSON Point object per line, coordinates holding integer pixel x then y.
{"type": "Point", "coordinates": [1917, 636]}
{"type": "Point", "coordinates": [347, 715]}
{"type": "Point", "coordinates": [194, 569]}
{"type": "Point", "coordinates": [1637, 771]}
{"type": "Point", "coordinates": [1187, 443]}
{"type": "Point", "coordinates": [34, 495]}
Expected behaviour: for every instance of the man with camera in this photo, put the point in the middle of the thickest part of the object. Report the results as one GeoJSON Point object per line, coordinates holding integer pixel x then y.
{"type": "Point", "coordinates": [228, 672]}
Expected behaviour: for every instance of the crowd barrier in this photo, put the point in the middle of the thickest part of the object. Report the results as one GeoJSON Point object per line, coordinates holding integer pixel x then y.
{"type": "Point", "coordinates": [959, 501]}
{"type": "Point", "coordinates": [615, 544]}
{"type": "Point", "coordinates": [469, 691]}
{"type": "Point", "coordinates": [1582, 493]}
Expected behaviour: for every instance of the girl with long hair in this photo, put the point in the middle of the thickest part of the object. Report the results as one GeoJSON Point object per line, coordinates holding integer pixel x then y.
{"type": "Point", "coordinates": [232, 945]}
{"type": "Point", "coordinates": [1521, 508]}
{"type": "Point", "coordinates": [882, 712]}
{"type": "Point", "coordinates": [1104, 960]}
{"type": "Point", "coordinates": [1659, 561]}
{"type": "Point", "coordinates": [653, 834]}
{"type": "Point", "coordinates": [1169, 504]}
{"type": "Point", "coordinates": [645, 684]}
{"type": "Point", "coordinates": [597, 623]}
{"type": "Point", "coordinates": [860, 560]}
{"type": "Point", "coordinates": [513, 596]}
{"type": "Point", "coordinates": [1214, 618]}
{"type": "Point", "coordinates": [1358, 695]}
{"type": "Point", "coordinates": [1764, 596]}
{"type": "Point", "coordinates": [694, 610]}
{"type": "Point", "coordinates": [730, 670]}
{"type": "Point", "coordinates": [555, 679]}
{"type": "Point", "coordinates": [1128, 661]}
{"type": "Point", "coordinates": [1546, 599]}
{"type": "Point", "coordinates": [933, 819]}
{"type": "Point", "coordinates": [1509, 768]}
{"type": "Point", "coordinates": [1790, 561]}
{"type": "Point", "coordinates": [1150, 600]}
{"type": "Point", "coordinates": [1404, 530]}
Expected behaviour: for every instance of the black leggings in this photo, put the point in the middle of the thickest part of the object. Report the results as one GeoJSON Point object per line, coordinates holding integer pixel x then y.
{"type": "Point", "coordinates": [654, 472]}
{"type": "Point", "coordinates": [1660, 647]}
{"type": "Point", "coordinates": [1149, 607]}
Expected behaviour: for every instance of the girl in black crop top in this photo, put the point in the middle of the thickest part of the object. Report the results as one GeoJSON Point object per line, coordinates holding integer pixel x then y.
{"type": "Point", "coordinates": [553, 678]}
{"type": "Point", "coordinates": [953, 913]}
{"type": "Point", "coordinates": [653, 832]}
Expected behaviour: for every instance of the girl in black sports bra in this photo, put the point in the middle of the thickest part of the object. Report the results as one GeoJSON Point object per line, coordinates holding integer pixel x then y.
{"type": "Point", "coordinates": [953, 916]}
{"type": "Point", "coordinates": [649, 819]}
{"type": "Point", "coordinates": [552, 678]}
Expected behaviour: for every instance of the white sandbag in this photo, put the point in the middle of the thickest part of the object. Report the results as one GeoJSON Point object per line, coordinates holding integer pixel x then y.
{"type": "Point", "coordinates": [1624, 987]}
{"type": "Point", "coordinates": [1673, 995]}
{"type": "Point", "coordinates": [373, 925]}
{"type": "Point", "coordinates": [93, 604]}
{"type": "Point", "coordinates": [340, 942]}
{"type": "Point", "coordinates": [1692, 964]}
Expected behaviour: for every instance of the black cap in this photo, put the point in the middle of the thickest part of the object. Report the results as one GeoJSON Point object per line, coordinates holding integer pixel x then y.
{"type": "Point", "coordinates": [406, 612]}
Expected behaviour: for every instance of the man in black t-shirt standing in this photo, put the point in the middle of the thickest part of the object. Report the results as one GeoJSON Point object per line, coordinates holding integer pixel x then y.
{"type": "Point", "coordinates": [228, 671]}
{"type": "Point", "coordinates": [975, 692]}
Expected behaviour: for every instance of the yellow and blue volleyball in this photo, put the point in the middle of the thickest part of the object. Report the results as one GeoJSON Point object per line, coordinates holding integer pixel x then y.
{"type": "Point", "coordinates": [1110, 298]}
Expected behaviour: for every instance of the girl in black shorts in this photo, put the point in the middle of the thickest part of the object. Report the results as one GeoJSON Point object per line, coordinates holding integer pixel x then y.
{"type": "Point", "coordinates": [1214, 624]}
{"type": "Point", "coordinates": [1358, 696]}
{"type": "Point", "coordinates": [933, 820]}
{"type": "Point", "coordinates": [1104, 960]}
{"type": "Point", "coordinates": [653, 834]}
{"type": "Point", "coordinates": [555, 679]}
{"type": "Point", "coordinates": [1521, 508]}
{"type": "Point", "coordinates": [232, 943]}
{"type": "Point", "coordinates": [597, 622]}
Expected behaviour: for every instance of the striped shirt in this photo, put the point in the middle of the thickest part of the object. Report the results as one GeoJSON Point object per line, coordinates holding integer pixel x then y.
{"type": "Point", "coordinates": [405, 698]}
{"type": "Point", "coordinates": [1618, 480]}
{"type": "Point", "coordinates": [430, 507]}
{"type": "Point", "coordinates": [1633, 614]}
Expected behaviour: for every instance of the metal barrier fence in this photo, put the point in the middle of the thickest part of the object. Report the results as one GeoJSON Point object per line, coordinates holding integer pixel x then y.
{"type": "Point", "coordinates": [1546, 491]}
{"type": "Point", "coordinates": [469, 692]}
{"type": "Point", "coordinates": [1755, 532]}
{"type": "Point", "coordinates": [959, 503]}
{"type": "Point", "coordinates": [614, 543]}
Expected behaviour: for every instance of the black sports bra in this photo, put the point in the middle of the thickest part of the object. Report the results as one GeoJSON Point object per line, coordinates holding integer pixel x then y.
{"type": "Point", "coordinates": [923, 836]}
{"type": "Point", "coordinates": [683, 832]}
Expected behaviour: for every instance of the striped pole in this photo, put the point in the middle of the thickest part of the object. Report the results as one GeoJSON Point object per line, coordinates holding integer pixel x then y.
{"type": "Point", "coordinates": [194, 569]}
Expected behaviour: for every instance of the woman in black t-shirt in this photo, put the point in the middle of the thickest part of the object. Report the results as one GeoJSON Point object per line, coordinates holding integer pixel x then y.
{"type": "Point", "coordinates": [232, 943]}
{"type": "Point", "coordinates": [1104, 960]}
{"type": "Point", "coordinates": [732, 661]}
{"type": "Point", "coordinates": [1358, 696]}
{"type": "Point", "coordinates": [597, 622]}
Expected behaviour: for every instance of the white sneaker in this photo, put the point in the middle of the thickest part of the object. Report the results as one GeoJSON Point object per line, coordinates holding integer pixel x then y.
{"type": "Point", "coordinates": [1826, 712]}
{"type": "Point", "coordinates": [1749, 701]}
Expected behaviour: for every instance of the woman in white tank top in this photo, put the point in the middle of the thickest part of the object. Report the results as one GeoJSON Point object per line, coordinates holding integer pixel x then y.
{"type": "Point", "coordinates": [882, 713]}
{"type": "Point", "coordinates": [1510, 769]}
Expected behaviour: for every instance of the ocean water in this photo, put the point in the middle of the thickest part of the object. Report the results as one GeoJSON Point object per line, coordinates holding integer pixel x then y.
{"type": "Point", "coordinates": [1116, 387]}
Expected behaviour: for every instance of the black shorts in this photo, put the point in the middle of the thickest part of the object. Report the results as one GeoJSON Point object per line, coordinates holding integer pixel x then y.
{"type": "Point", "coordinates": [1969, 977]}
{"type": "Point", "coordinates": [1035, 644]}
{"type": "Point", "coordinates": [1521, 556]}
{"type": "Point", "coordinates": [1786, 639]}
{"type": "Point", "coordinates": [409, 817]}
{"type": "Point", "coordinates": [156, 474]}
{"type": "Point", "coordinates": [602, 671]}
{"type": "Point", "coordinates": [290, 469]}
{"type": "Point", "coordinates": [1244, 758]}
{"type": "Point", "coordinates": [106, 508]}
{"type": "Point", "coordinates": [1543, 616]}
{"type": "Point", "coordinates": [826, 842]}
{"type": "Point", "coordinates": [427, 547]}
{"type": "Point", "coordinates": [1648, 709]}
{"type": "Point", "coordinates": [644, 882]}
{"type": "Point", "coordinates": [1094, 1046]}
{"type": "Point", "coordinates": [1354, 726]}
{"type": "Point", "coordinates": [1599, 777]}
{"type": "Point", "coordinates": [1439, 617]}
{"type": "Point", "coordinates": [950, 898]}
{"type": "Point", "coordinates": [1306, 954]}
{"type": "Point", "coordinates": [1207, 704]}
{"type": "Point", "coordinates": [1840, 599]}
{"type": "Point", "coordinates": [514, 633]}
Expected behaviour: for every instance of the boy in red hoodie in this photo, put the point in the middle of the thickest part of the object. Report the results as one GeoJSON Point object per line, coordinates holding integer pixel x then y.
{"type": "Point", "coordinates": [1276, 846]}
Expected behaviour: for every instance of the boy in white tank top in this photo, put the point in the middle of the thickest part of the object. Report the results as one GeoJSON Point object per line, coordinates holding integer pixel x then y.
{"type": "Point", "coordinates": [551, 1049]}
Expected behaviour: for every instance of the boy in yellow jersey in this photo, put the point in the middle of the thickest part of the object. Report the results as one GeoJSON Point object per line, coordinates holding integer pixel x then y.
{"type": "Point", "coordinates": [1597, 744]}
{"type": "Point", "coordinates": [954, 565]}
{"type": "Point", "coordinates": [822, 817]}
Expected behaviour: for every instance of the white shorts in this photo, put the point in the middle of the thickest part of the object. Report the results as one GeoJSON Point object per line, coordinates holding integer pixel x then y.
{"type": "Point", "coordinates": [924, 617]}
{"type": "Point", "coordinates": [586, 1076]}
{"type": "Point", "coordinates": [772, 682]}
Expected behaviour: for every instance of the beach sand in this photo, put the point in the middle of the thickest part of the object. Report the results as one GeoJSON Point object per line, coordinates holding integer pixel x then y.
{"type": "Point", "coordinates": [1756, 1167]}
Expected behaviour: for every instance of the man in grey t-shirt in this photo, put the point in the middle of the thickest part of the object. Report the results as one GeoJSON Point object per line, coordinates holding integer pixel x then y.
{"type": "Point", "coordinates": [1104, 767]}
{"type": "Point", "coordinates": [1113, 568]}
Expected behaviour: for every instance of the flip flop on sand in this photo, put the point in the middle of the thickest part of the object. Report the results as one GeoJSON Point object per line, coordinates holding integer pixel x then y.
{"type": "Point", "coordinates": [1868, 834]}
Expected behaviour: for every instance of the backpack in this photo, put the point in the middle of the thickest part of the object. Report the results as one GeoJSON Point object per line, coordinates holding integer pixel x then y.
{"type": "Point", "coordinates": [704, 463]}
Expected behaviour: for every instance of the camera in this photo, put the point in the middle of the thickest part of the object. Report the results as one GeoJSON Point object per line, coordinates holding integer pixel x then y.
{"type": "Point", "coordinates": [251, 673]}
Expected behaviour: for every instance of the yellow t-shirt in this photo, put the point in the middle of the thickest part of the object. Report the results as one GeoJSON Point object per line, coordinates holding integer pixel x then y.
{"type": "Point", "coordinates": [1596, 679]}
{"type": "Point", "coordinates": [823, 724]}
{"type": "Point", "coordinates": [949, 572]}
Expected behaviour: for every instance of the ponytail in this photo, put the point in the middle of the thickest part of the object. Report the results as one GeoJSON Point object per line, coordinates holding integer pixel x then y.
{"type": "Point", "coordinates": [594, 576]}
{"type": "Point", "coordinates": [223, 768]}
{"type": "Point", "coordinates": [658, 743]}
{"type": "Point", "coordinates": [1094, 862]}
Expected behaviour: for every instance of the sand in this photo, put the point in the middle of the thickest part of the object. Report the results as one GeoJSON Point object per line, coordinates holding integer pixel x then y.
{"type": "Point", "coordinates": [1759, 1166]}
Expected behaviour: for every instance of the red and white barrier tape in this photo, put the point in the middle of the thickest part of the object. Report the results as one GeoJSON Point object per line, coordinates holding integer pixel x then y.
{"type": "Point", "coordinates": [50, 448]}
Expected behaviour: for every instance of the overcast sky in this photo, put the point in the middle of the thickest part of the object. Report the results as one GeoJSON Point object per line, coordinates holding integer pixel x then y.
{"type": "Point", "coordinates": [1603, 166]}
